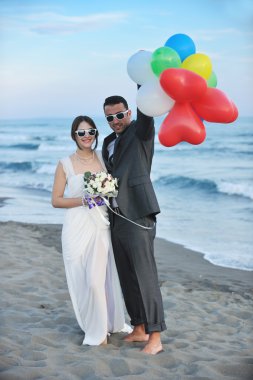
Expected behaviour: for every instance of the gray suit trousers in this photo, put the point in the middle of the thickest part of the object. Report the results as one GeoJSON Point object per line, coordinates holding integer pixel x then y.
{"type": "Point", "coordinates": [134, 256]}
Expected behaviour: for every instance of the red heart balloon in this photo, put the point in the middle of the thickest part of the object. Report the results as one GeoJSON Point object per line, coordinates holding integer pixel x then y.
{"type": "Point", "coordinates": [236, 112]}
{"type": "Point", "coordinates": [183, 85]}
{"type": "Point", "coordinates": [181, 124]}
{"type": "Point", "coordinates": [215, 107]}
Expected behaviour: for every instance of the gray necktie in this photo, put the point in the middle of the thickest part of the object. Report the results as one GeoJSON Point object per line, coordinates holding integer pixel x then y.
{"type": "Point", "coordinates": [111, 160]}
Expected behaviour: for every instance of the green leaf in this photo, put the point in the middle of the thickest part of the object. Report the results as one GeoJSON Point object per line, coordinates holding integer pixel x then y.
{"type": "Point", "coordinates": [87, 175]}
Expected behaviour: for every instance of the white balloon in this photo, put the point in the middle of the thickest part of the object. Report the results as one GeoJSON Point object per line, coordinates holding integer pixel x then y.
{"type": "Point", "coordinates": [139, 68]}
{"type": "Point", "coordinates": [152, 100]}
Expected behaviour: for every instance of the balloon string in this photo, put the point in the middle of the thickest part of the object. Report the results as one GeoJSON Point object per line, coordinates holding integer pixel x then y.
{"type": "Point", "coordinates": [123, 217]}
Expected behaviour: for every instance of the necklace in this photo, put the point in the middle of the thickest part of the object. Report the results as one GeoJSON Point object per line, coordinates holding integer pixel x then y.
{"type": "Point", "coordinates": [83, 159]}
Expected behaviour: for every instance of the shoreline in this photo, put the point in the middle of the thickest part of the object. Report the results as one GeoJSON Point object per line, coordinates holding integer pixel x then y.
{"type": "Point", "coordinates": [187, 255]}
{"type": "Point", "coordinates": [208, 312]}
{"type": "Point", "coordinates": [175, 246]}
{"type": "Point", "coordinates": [184, 245]}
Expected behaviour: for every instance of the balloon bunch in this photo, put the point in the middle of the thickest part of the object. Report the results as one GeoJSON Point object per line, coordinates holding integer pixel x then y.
{"type": "Point", "coordinates": [176, 79]}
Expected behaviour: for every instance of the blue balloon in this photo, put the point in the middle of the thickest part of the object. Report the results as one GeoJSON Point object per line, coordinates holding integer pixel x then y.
{"type": "Point", "coordinates": [183, 45]}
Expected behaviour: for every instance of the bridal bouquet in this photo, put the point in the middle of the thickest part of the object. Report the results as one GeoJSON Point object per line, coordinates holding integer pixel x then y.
{"type": "Point", "coordinates": [98, 186]}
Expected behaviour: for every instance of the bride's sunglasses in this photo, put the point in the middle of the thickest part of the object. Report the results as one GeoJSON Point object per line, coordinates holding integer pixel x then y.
{"type": "Point", "coordinates": [86, 132]}
{"type": "Point", "coordinates": [119, 116]}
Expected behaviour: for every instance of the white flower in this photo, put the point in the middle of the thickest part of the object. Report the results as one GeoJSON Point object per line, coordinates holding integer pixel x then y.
{"type": "Point", "coordinates": [100, 184]}
{"type": "Point", "coordinates": [103, 175]}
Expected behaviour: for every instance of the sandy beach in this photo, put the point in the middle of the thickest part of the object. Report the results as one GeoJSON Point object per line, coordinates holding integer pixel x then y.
{"type": "Point", "coordinates": [208, 312]}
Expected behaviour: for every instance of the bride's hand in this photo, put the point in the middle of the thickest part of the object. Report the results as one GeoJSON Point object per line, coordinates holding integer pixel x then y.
{"type": "Point", "coordinates": [98, 199]}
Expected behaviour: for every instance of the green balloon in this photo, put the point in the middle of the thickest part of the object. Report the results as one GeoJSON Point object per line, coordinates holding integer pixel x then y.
{"type": "Point", "coordinates": [164, 58]}
{"type": "Point", "coordinates": [212, 80]}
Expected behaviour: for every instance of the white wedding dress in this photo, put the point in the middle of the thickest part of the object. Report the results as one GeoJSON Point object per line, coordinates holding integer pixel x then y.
{"type": "Point", "coordinates": [90, 267]}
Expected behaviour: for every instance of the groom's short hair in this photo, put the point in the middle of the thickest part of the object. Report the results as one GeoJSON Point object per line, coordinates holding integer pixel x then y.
{"type": "Point", "coordinates": [115, 99]}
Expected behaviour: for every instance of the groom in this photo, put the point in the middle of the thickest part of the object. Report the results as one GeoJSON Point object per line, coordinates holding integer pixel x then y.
{"type": "Point", "coordinates": [128, 153]}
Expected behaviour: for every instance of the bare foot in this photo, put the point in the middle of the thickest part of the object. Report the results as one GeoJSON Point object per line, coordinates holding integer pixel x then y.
{"type": "Point", "coordinates": [136, 337]}
{"type": "Point", "coordinates": [152, 349]}
{"type": "Point", "coordinates": [154, 345]}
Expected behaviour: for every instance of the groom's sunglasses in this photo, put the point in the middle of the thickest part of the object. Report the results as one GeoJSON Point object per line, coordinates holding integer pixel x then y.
{"type": "Point", "coordinates": [119, 116]}
{"type": "Point", "coordinates": [86, 132]}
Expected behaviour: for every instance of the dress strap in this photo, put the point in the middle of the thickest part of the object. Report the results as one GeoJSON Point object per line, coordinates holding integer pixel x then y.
{"type": "Point", "coordinates": [67, 166]}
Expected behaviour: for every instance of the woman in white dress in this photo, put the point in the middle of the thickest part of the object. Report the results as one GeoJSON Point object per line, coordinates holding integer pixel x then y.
{"type": "Point", "coordinates": [86, 244]}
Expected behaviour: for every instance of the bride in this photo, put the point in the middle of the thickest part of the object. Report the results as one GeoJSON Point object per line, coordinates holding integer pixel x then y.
{"type": "Point", "coordinates": [86, 245]}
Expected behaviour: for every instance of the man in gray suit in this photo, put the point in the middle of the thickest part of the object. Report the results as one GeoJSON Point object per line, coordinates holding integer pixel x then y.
{"type": "Point", "coordinates": [128, 153]}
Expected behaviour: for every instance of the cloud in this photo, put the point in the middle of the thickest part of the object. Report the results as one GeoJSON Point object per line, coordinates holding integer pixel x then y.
{"type": "Point", "coordinates": [110, 55]}
{"type": "Point", "coordinates": [54, 23]}
{"type": "Point", "coordinates": [59, 24]}
{"type": "Point", "coordinates": [214, 34]}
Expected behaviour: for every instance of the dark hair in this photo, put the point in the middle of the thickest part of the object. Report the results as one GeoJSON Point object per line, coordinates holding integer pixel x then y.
{"type": "Point", "coordinates": [75, 126]}
{"type": "Point", "coordinates": [115, 99]}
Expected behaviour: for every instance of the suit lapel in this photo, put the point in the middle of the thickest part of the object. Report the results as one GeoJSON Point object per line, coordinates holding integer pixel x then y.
{"type": "Point", "coordinates": [105, 152]}
{"type": "Point", "coordinates": [116, 144]}
{"type": "Point", "coordinates": [116, 152]}
{"type": "Point", "coordinates": [122, 142]}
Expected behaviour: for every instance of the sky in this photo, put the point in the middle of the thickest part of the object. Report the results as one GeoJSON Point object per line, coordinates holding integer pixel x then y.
{"type": "Point", "coordinates": [61, 58]}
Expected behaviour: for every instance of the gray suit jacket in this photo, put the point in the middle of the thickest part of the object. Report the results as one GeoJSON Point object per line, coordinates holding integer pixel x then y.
{"type": "Point", "coordinates": [132, 159]}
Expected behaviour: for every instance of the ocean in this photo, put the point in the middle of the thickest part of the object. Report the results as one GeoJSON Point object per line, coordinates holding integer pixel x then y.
{"type": "Point", "coordinates": [205, 192]}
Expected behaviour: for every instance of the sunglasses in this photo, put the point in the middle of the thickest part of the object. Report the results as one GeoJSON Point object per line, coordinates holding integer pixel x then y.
{"type": "Point", "coordinates": [119, 116]}
{"type": "Point", "coordinates": [86, 132]}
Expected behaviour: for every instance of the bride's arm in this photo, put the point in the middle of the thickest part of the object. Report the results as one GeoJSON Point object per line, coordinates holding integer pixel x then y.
{"type": "Point", "coordinates": [58, 199]}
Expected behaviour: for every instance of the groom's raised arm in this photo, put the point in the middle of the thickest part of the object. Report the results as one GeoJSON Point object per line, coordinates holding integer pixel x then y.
{"type": "Point", "coordinates": [145, 128]}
